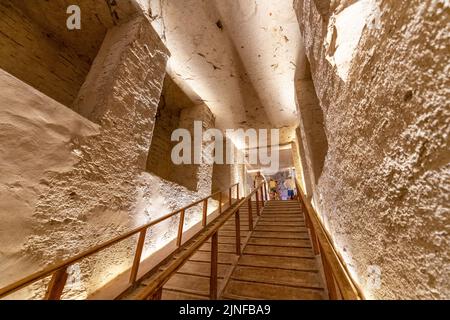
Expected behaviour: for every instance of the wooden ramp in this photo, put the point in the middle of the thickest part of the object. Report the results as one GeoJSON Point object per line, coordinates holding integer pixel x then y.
{"type": "Point", "coordinates": [277, 260]}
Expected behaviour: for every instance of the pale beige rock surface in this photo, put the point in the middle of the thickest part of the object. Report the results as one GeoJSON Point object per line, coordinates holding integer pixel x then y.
{"type": "Point", "coordinates": [384, 188]}
{"type": "Point", "coordinates": [38, 141]}
{"type": "Point", "coordinates": [361, 88]}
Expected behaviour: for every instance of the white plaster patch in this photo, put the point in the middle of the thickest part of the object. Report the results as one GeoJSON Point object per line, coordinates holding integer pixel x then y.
{"type": "Point", "coordinates": [345, 30]}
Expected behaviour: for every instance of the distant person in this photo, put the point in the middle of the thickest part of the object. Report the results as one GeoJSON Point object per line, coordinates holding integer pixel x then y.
{"type": "Point", "coordinates": [273, 188]}
{"type": "Point", "coordinates": [258, 179]}
{"type": "Point", "coordinates": [278, 192]}
{"type": "Point", "coordinates": [289, 184]}
{"type": "Point", "coordinates": [272, 185]}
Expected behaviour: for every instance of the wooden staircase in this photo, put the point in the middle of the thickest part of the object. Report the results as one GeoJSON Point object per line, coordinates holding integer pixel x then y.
{"type": "Point", "coordinates": [250, 248]}
{"type": "Point", "coordinates": [277, 260]}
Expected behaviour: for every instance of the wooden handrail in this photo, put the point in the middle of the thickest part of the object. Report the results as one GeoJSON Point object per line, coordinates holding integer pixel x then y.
{"type": "Point", "coordinates": [58, 271]}
{"type": "Point", "coordinates": [159, 276]}
{"type": "Point", "coordinates": [337, 277]}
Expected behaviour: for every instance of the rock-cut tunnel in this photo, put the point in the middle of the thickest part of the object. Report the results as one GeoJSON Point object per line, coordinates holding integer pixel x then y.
{"type": "Point", "coordinates": [224, 149]}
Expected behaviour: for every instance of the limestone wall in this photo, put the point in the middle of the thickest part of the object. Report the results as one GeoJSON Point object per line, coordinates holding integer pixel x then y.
{"type": "Point", "coordinates": [77, 179]}
{"type": "Point", "coordinates": [37, 47]}
{"type": "Point", "coordinates": [97, 193]}
{"type": "Point", "coordinates": [31, 54]}
{"type": "Point", "coordinates": [39, 139]}
{"type": "Point", "coordinates": [381, 74]}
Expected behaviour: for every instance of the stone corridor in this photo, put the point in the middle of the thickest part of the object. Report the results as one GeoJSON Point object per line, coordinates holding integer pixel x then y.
{"type": "Point", "coordinates": [347, 99]}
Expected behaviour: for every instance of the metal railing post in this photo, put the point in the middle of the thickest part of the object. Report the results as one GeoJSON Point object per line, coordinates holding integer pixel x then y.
{"type": "Point", "coordinates": [213, 271]}
{"type": "Point", "coordinates": [56, 286]}
{"type": "Point", "coordinates": [180, 228]}
{"type": "Point", "coordinates": [137, 256]}
{"type": "Point", "coordinates": [205, 212]}
{"type": "Point", "coordinates": [262, 196]}
{"type": "Point", "coordinates": [250, 215]}
{"type": "Point", "coordinates": [265, 191]}
{"type": "Point", "coordinates": [257, 202]}
{"type": "Point", "coordinates": [237, 222]}
{"type": "Point", "coordinates": [157, 295]}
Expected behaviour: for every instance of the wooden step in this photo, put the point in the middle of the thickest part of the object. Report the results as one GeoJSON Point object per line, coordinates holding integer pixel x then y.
{"type": "Point", "coordinates": [226, 240]}
{"type": "Point", "coordinates": [233, 228]}
{"type": "Point", "coordinates": [243, 290]}
{"type": "Point", "coordinates": [280, 228]}
{"type": "Point", "coordinates": [282, 215]}
{"type": "Point", "coordinates": [225, 258]}
{"type": "Point", "coordinates": [232, 223]}
{"type": "Point", "coordinates": [189, 284]}
{"type": "Point", "coordinates": [223, 248]}
{"type": "Point", "coordinates": [279, 251]}
{"type": "Point", "coordinates": [280, 220]}
{"type": "Point", "coordinates": [203, 268]}
{"type": "Point", "coordinates": [290, 263]}
{"type": "Point", "coordinates": [232, 233]}
{"type": "Point", "coordinates": [280, 242]}
{"type": "Point", "coordinates": [279, 235]}
{"type": "Point", "coordinates": [282, 224]}
{"type": "Point", "coordinates": [168, 294]}
{"type": "Point", "coordinates": [295, 278]}
{"type": "Point", "coordinates": [287, 210]}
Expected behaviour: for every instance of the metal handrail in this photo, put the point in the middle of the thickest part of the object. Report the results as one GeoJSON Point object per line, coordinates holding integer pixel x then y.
{"type": "Point", "coordinates": [339, 282]}
{"type": "Point", "coordinates": [58, 271]}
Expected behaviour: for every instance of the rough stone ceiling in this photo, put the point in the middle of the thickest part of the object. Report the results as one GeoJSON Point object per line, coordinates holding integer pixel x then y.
{"type": "Point", "coordinates": [285, 160]}
{"type": "Point", "coordinates": [237, 56]}
{"type": "Point", "coordinates": [96, 19]}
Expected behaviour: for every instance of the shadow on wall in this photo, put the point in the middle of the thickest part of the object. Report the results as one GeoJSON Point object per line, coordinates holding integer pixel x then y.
{"type": "Point", "coordinates": [338, 50]}
{"type": "Point", "coordinates": [221, 177]}
{"type": "Point", "coordinates": [53, 59]}
{"type": "Point", "coordinates": [311, 133]}
{"type": "Point", "coordinates": [167, 119]}
{"type": "Point", "coordinates": [323, 6]}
